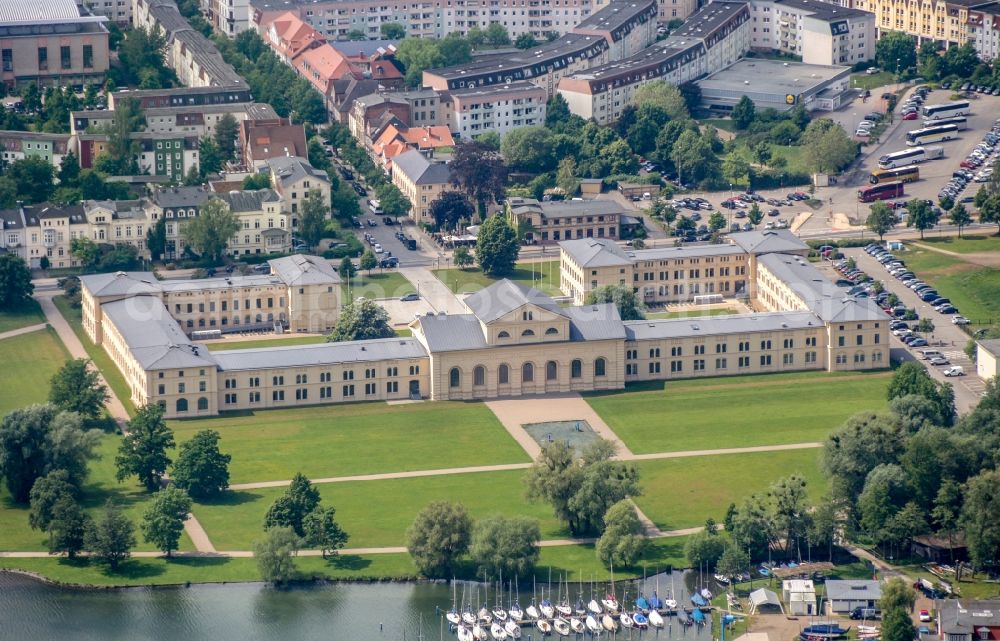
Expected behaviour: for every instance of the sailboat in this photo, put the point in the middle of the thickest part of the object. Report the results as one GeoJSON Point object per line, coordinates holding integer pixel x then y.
{"type": "Point", "coordinates": [561, 627]}
{"type": "Point", "coordinates": [480, 633]}
{"type": "Point", "coordinates": [626, 620]}
{"type": "Point", "coordinates": [453, 616]}
{"type": "Point", "coordinates": [608, 623]}
{"type": "Point", "coordinates": [497, 632]}
{"type": "Point", "coordinates": [698, 616]}
{"type": "Point", "coordinates": [543, 626]}
{"type": "Point", "coordinates": [531, 610]}
{"type": "Point", "coordinates": [593, 607]}
{"type": "Point", "coordinates": [655, 619]}
{"type": "Point", "coordinates": [548, 610]}
{"type": "Point", "coordinates": [464, 634]}
{"type": "Point", "coordinates": [671, 602]}
{"type": "Point", "coordinates": [563, 607]}
{"type": "Point", "coordinates": [592, 625]}
{"type": "Point", "coordinates": [609, 601]}
{"type": "Point", "coordinates": [640, 620]}
{"type": "Point", "coordinates": [577, 625]}
{"type": "Point", "coordinates": [467, 615]}
{"type": "Point", "coordinates": [513, 629]}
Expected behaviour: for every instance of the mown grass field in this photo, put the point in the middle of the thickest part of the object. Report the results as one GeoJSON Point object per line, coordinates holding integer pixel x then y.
{"type": "Point", "coordinates": [737, 411]}
{"type": "Point", "coordinates": [29, 362]}
{"type": "Point", "coordinates": [377, 513]}
{"type": "Point", "coordinates": [358, 438]}
{"type": "Point", "coordinates": [30, 315]}
{"type": "Point", "coordinates": [966, 244]}
{"type": "Point", "coordinates": [872, 81]}
{"type": "Point", "coordinates": [683, 492]}
{"type": "Point", "coordinates": [97, 354]}
{"type": "Point", "coordinates": [543, 276]}
{"type": "Point", "coordinates": [265, 342]}
{"type": "Point", "coordinates": [377, 285]}
{"type": "Point", "coordinates": [973, 289]}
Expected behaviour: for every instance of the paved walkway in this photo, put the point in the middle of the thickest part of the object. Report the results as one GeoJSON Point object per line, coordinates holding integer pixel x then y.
{"type": "Point", "coordinates": [433, 290]}
{"type": "Point", "coordinates": [114, 406]}
{"type": "Point", "coordinates": [515, 412]}
{"type": "Point", "coordinates": [22, 330]}
{"type": "Point", "coordinates": [389, 475]}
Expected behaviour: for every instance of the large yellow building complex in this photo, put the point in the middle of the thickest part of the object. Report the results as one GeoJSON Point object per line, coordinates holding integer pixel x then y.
{"type": "Point", "coordinates": [511, 340]}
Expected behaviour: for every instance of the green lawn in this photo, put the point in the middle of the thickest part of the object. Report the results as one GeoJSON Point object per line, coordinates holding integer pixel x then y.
{"type": "Point", "coordinates": [738, 411]}
{"type": "Point", "coordinates": [692, 314]}
{"type": "Point", "coordinates": [683, 492]}
{"type": "Point", "coordinates": [377, 285]}
{"type": "Point", "coordinates": [793, 155]}
{"type": "Point", "coordinates": [965, 244]}
{"type": "Point", "coordinates": [358, 438]}
{"type": "Point", "coordinates": [97, 354]}
{"type": "Point", "coordinates": [29, 362]}
{"type": "Point", "coordinates": [178, 571]}
{"type": "Point", "coordinates": [725, 124]}
{"type": "Point", "coordinates": [283, 341]}
{"type": "Point", "coordinates": [377, 513]}
{"type": "Point", "coordinates": [579, 562]}
{"type": "Point", "coordinates": [866, 81]}
{"type": "Point", "coordinates": [974, 290]}
{"type": "Point", "coordinates": [16, 535]}
{"type": "Point", "coordinates": [543, 276]}
{"type": "Point", "coordinates": [30, 315]}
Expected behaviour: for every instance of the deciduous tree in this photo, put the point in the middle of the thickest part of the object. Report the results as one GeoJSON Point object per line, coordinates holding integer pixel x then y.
{"type": "Point", "coordinates": [980, 518]}
{"type": "Point", "coordinates": [624, 298]}
{"type": "Point", "coordinates": [880, 219]}
{"type": "Point", "coordinates": [275, 555]}
{"type": "Point", "coordinates": [664, 95]}
{"type": "Point", "coordinates": [921, 215]}
{"type": "Point", "coordinates": [622, 542]}
{"type": "Point", "coordinates": [111, 538]}
{"type": "Point", "coordinates": [392, 30]}
{"type": "Point", "coordinates": [201, 468]}
{"type": "Point", "coordinates": [744, 112]}
{"type": "Point", "coordinates": [76, 387]}
{"type": "Point", "coordinates": [496, 246]}
{"type": "Point", "coordinates": [210, 231]}
{"type": "Point", "coordinates": [479, 171]}
{"type": "Point", "coordinates": [705, 549]}
{"type": "Point", "coordinates": [322, 531]}
{"type": "Point", "coordinates": [312, 218]}
{"type": "Point", "coordinates": [291, 508]}
{"type": "Point", "coordinates": [15, 282]}
{"type": "Point", "coordinates": [438, 537]}
{"type": "Point", "coordinates": [896, 51]}
{"type": "Point", "coordinates": [450, 208]}
{"type": "Point", "coordinates": [505, 545]}
{"type": "Point", "coordinates": [226, 130]}
{"type": "Point", "coordinates": [163, 521]}
{"type": "Point", "coordinates": [68, 526]}
{"type": "Point", "coordinates": [463, 258]}
{"type": "Point", "coordinates": [45, 493]}
{"type": "Point", "coordinates": [960, 217]}
{"type": "Point", "coordinates": [143, 450]}
{"type": "Point", "coordinates": [361, 319]}
{"type": "Point", "coordinates": [347, 270]}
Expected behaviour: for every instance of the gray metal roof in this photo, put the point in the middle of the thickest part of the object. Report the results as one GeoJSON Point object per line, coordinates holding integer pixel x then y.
{"type": "Point", "coordinates": [566, 208]}
{"type": "Point", "coordinates": [719, 325]}
{"type": "Point", "coordinates": [222, 282]}
{"type": "Point", "coordinates": [768, 241]}
{"type": "Point", "coordinates": [504, 296]}
{"type": "Point", "coordinates": [820, 295]}
{"type": "Point", "coordinates": [121, 283]}
{"type": "Point", "coordinates": [153, 337]}
{"type": "Point", "coordinates": [991, 345]}
{"type": "Point", "coordinates": [38, 11]}
{"type": "Point", "coordinates": [353, 48]}
{"type": "Point", "coordinates": [595, 322]}
{"type": "Point", "coordinates": [617, 14]}
{"type": "Point", "coordinates": [452, 332]}
{"type": "Point", "coordinates": [182, 196]}
{"type": "Point", "coordinates": [595, 252]}
{"type": "Point", "coordinates": [324, 354]}
{"type": "Point", "coordinates": [415, 166]}
{"type": "Point", "coordinates": [290, 169]}
{"type": "Point", "coordinates": [967, 616]}
{"type": "Point", "coordinates": [853, 590]}
{"type": "Point", "coordinates": [685, 251]}
{"type": "Point", "coordinates": [252, 200]}
{"type": "Point", "coordinates": [300, 269]}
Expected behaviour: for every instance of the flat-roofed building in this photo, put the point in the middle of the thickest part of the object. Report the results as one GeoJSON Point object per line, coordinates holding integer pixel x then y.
{"type": "Point", "coordinates": [52, 43]}
{"type": "Point", "coordinates": [497, 108]}
{"type": "Point", "coordinates": [775, 84]}
{"type": "Point", "coordinates": [818, 32]}
{"type": "Point", "coordinates": [555, 221]}
{"type": "Point", "coordinates": [183, 96]}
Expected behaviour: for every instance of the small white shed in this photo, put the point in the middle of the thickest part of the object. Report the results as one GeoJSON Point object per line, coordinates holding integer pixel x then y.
{"type": "Point", "coordinates": [799, 596]}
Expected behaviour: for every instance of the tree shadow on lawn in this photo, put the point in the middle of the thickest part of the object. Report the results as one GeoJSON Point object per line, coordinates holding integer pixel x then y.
{"type": "Point", "coordinates": [349, 562]}
{"type": "Point", "coordinates": [231, 498]}
{"type": "Point", "coordinates": [130, 569]}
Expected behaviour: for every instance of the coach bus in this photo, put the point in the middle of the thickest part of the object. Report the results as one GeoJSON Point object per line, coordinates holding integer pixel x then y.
{"type": "Point", "coordinates": [902, 174]}
{"type": "Point", "coordinates": [883, 191]}
{"type": "Point", "coordinates": [947, 110]}
{"type": "Point", "coordinates": [931, 134]}
{"type": "Point", "coordinates": [959, 121]}
{"type": "Point", "coordinates": [375, 207]}
{"type": "Point", "coordinates": [910, 157]}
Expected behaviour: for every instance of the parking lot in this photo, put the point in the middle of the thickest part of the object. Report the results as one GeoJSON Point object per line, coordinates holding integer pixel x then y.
{"type": "Point", "coordinates": [947, 337]}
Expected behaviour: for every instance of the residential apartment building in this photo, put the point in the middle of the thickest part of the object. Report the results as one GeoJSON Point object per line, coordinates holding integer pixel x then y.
{"type": "Point", "coordinates": [422, 181]}
{"type": "Point", "coordinates": [984, 30]}
{"type": "Point", "coordinates": [263, 139]}
{"type": "Point", "coordinates": [293, 178]}
{"type": "Point", "coordinates": [715, 36]}
{"type": "Point", "coordinates": [555, 221]}
{"type": "Point", "coordinates": [395, 139]}
{"type": "Point", "coordinates": [265, 227]}
{"type": "Point", "coordinates": [17, 145]}
{"type": "Point", "coordinates": [117, 11]}
{"type": "Point", "coordinates": [496, 108]}
{"type": "Point", "coordinates": [53, 43]}
{"type": "Point", "coordinates": [818, 32]}
{"type": "Point", "coordinates": [628, 27]}
{"type": "Point", "coordinates": [942, 21]}
{"type": "Point", "coordinates": [193, 57]}
{"type": "Point", "coordinates": [184, 96]}
{"type": "Point", "coordinates": [229, 17]}
{"type": "Point", "coordinates": [167, 154]}
{"type": "Point", "coordinates": [510, 341]}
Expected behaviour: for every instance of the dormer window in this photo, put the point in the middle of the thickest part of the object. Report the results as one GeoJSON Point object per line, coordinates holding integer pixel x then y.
{"type": "Point", "coordinates": [526, 315]}
{"type": "Point", "coordinates": [551, 331]}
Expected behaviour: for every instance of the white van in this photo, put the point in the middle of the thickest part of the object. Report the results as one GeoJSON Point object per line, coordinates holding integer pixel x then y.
{"type": "Point", "coordinates": [928, 354]}
{"type": "Point", "coordinates": [954, 370]}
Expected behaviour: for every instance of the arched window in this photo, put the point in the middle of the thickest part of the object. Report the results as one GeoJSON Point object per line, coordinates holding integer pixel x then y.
{"type": "Point", "coordinates": [203, 403]}
{"type": "Point", "coordinates": [576, 368]}
{"type": "Point", "coordinates": [503, 334]}
{"type": "Point", "coordinates": [600, 367]}
{"type": "Point", "coordinates": [551, 371]}
{"type": "Point", "coordinates": [550, 331]}
{"type": "Point", "coordinates": [527, 332]}
{"type": "Point", "coordinates": [454, 377]}
{"type": "Point", "coordinates": [270, 318]}
{"type": "Point", "coordinates": [182, 405]}
{"type": "Point", "coordinates": [503, 375]}
{"type": "Point", "coordinates": [479, 375]}
{"type": "Point", "coordinates": [527, 373]}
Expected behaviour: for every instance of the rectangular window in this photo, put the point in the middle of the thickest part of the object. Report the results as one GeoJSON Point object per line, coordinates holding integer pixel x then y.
{"type": "Point", "coordinates": [765, 359]}
{"type": "Point", "coordinates": [65, 60]}
{"type": "Point", "coordinates": [88, 56]}
{"type": "Point", "coordinates": [278, 395]}
{"type": "Point", "coordinates": [348, 390]}
{"type": "Point", "coordinates": [720, 363]}
{"type": "Point", "coordinates": [8, 60]}
{"type": "Point", "coordinates": [43, 59]}
{"type": "Point", "coordinates": [860, 339]}
{"type": "Point", "coordinates": [369, 389]}
{"type": "Point", "coordinates": [787, 359]}
{"type": "Point", "coordinates": [392, 387]}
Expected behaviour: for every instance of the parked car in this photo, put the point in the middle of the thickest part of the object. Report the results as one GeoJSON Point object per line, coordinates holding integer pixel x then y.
{"type": "Point", "coordinates": [410, 297]}
{"type": "Point", "coordinates": [954, 370]}
{"type": "Point", "coordinates": [960, 320]}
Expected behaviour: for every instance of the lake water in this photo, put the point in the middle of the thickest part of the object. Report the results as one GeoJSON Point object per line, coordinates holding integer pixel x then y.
{"type": "Point", "coordinates": [33, 611]}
